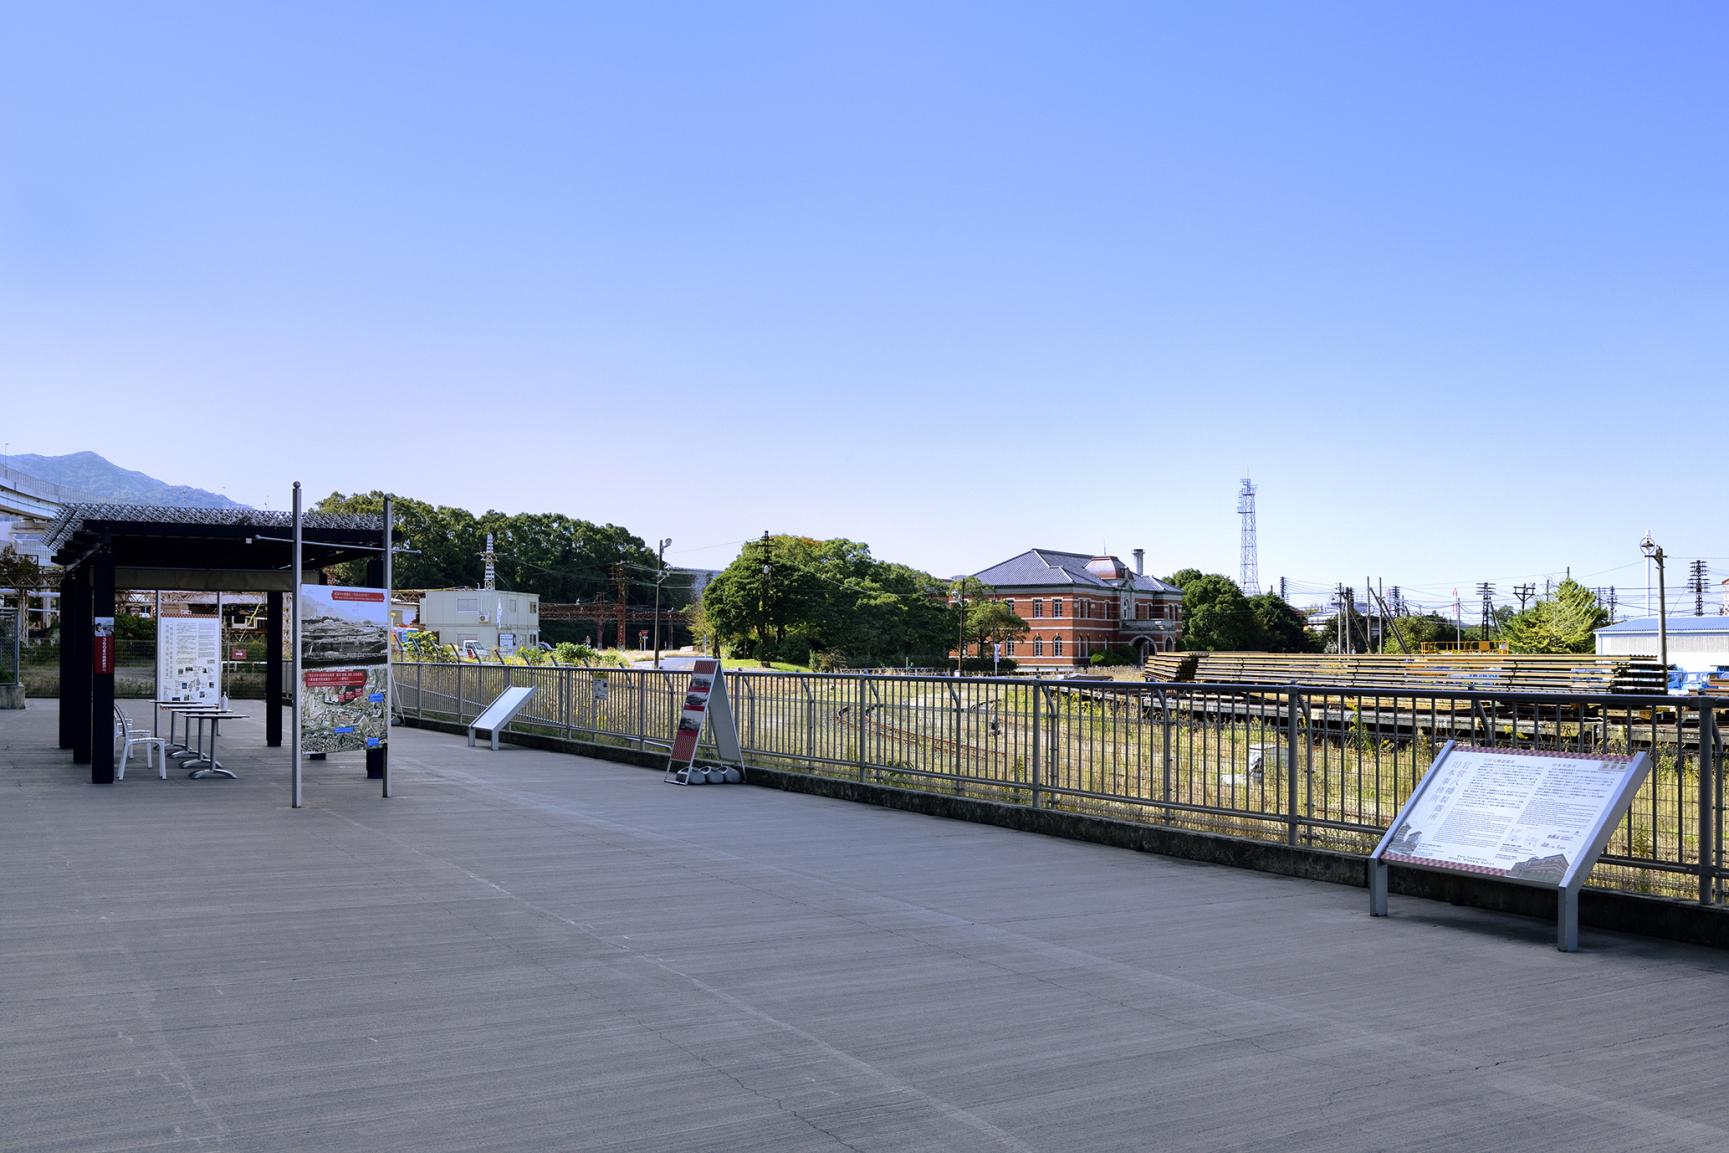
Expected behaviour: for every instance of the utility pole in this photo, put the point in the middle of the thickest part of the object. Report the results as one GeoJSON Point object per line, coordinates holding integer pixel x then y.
{"type": "Point", "coordinates": [1654, 551]}
{"type": "Point", "coordinates": [1487, 591]}
{"type": "Point", "coordinates": [961, 644]}
{"type": "Point", "coordinates": [1339, 619]}
{"type": "Point", "coordinates": [1524, 592]}
{"type": "Point", "coordinates": [621, 582]}
{"type": "Point", "coordinates": [767, 577]}
{"type": "Point", "coordinates": [1696, 581]}
{"type": "Point", "coordinates": [659, 576]}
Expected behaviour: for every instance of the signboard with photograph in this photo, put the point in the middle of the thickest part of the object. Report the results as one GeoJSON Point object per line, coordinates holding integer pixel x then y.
{"type": "Point", "coordinates": [345, 668]}
{"type": "Point", "coordinates": [189, 660]}
{"type": "Point", "coordinates": [1530, 817]}
{"type": "Point", "coordinates": [704, 703]}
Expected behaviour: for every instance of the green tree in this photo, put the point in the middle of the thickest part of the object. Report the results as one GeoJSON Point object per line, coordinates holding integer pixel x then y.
{"type": "Point", "coordinates": [1183, 576]}
{"type": "Point", "coordinates": [1418, 630]}
{"type": "Point", "coordinates": [1279, 628]}
{"type": "Point", "coordinates": [1562, 624]}
{"type": "Point", "coordinates": [785, 597]}
{"type": "Point", "coordinates": [991, 622]}
{"type": "Point", "coordinates": [1216, 614]}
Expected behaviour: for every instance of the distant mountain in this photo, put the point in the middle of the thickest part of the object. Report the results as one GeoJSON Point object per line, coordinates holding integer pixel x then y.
{"type": "Point", "coordinates": [98, 479]}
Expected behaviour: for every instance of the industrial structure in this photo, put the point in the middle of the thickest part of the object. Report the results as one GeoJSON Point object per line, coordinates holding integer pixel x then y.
{"type": "Point", "coordinates": [1248, 565]}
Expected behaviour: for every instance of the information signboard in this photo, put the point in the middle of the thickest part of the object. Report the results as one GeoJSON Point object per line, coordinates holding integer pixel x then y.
{"type": "Point", "coordinates": [189, 660]}
{"type": "Point", "coordinates": [704, 703]}
{"type": "Point", "coordinates": [1529, 817]}
{"type": "Point", "coordinates": [344, 663]}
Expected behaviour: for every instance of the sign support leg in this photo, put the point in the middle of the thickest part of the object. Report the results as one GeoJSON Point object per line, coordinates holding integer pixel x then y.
{"type": "Point", "coordinates": [1567, 921]}
{"type": "Point", "coordinates": [1377, 889]}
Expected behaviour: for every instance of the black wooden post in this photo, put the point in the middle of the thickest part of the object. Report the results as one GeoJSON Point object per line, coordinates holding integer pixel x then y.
{"type": "Point", "coordinates": [68, 595]}
{"type": "Point", "coordinates": [273, 670]}
{"type": "Point", "coordinates": [75, 635]}
{"type": "Point", "coordinates": [102, 678]}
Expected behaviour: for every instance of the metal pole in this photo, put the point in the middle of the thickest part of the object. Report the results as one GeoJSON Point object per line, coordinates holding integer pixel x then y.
{"type": "Point", "coordinates": [1708, 769]}
{"type": "Point", "coordinates": [1291, 729]}
{"type": "Point", "coordinates": [1038, 706]}
{"type": "Point", "coordinates": [1662, 622]}
{"type": "Point", "coordinates": [659, 576]}
{"type": "Point", "coordinates": [294, 640]}
{"type": "Point", "coordinates": [389, 668]}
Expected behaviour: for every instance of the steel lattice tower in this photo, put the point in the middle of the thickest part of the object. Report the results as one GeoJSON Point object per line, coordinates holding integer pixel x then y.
{"type": "Point", "coordinates": [1248, 575]}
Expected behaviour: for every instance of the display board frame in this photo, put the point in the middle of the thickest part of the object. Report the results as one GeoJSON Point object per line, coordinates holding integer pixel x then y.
{"type": "Point", "coordinates": [705, 703]}
{"type": "Point", "coordinates": [1566, 803]}
{"type": "Point", "coordinates": [188, 659]}
{"type": "Point", "coordinates": [343, 679]}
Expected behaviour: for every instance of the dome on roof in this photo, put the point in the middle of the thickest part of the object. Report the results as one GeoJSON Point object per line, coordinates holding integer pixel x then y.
{"type": "Point", "coordinates": [1107, 568]}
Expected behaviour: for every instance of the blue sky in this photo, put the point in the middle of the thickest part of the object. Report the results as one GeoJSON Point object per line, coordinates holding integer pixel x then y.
{"type": "Point", "coordinates": [952, 279]}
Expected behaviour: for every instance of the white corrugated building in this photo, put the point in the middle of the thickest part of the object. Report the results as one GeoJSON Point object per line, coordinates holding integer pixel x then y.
{"type": "Point", "coordinates": [1696, 644]}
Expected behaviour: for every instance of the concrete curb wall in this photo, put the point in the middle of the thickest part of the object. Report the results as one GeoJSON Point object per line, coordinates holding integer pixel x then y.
{"type": "Point", "coordinates": [1602, 909]}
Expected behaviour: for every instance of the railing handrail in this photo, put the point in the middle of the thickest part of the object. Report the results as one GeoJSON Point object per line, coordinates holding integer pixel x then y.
{"type": "Point", "coordinates": [1415, 692]}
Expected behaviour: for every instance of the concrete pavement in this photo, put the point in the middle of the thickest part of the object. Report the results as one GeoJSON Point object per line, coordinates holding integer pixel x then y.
{"type": "Point", "coordinates": [532, 951]}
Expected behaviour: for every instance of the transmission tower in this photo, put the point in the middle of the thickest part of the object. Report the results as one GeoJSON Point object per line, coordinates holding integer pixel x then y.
{"type": "Point", "coordinates": [490, 579]}
{"type": "Point", "coordinates": [1696, 581]}
{"type": "Point", "coordinates": [1487, 592]}
{"type": "Point", "coordinates": [1248, 574]}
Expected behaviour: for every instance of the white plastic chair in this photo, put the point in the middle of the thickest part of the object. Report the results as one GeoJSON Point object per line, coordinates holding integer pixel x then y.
{"type": "Point", "coordinates": [132, 737]}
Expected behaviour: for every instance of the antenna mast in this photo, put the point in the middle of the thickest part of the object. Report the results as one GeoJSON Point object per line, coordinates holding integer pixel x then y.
{"type": "Point", "coordinates": [1248, 575]}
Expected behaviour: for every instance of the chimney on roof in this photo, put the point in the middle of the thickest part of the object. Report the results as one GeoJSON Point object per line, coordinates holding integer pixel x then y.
{"type": "Point", "coordinates": [1140, 561]}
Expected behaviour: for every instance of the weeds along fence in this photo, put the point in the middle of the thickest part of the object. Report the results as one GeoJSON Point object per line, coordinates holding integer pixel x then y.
{"type": "Point", "coordinates": [1304, 766]}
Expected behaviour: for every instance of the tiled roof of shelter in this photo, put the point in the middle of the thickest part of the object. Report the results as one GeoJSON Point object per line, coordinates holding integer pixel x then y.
{"type": "Point", "coordinates": [1042, 567]}
{"type": "Point", "coordinates": [73, 518]}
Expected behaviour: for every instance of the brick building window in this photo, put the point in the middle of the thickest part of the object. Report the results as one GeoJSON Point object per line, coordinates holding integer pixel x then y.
{"type": "Point", "coordinates": [1056, 606]}
{"type": "Point", "coordinates": [1038, 644]}
{"type": "Point", "coordinates": [1011, 647]}
{"type": "Point", "coordinates": [1056, 646]}
{"type": "Point", "coordinates": [1038, 607]}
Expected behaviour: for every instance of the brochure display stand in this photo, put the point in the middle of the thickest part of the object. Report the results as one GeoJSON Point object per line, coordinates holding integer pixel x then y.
{"type": "Point", "coordinates": [705, 703]}
{"type": "Point", "coordinates": [1531, 818]}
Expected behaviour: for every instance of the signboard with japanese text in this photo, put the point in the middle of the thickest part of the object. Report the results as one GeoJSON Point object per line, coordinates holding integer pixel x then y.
{"type": "Point", "coordinates": [102, 646]}
{"type": "Point", "coordinates": [1527, 816]}
{"type": "Point", "coordinates": [1523, 815]}
{"type": "Point", "coordinates": [189, 660]}
{"type": "Point", "coordinates": [345, 669]}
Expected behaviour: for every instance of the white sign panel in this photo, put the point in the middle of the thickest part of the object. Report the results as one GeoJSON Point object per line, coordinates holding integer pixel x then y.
{"type": "Point", "coordinates": [1526, 816]}
{"type": "Point", "coordinates": [1533, 818]}
{"type": "Point", "coordinates": [189, 660]}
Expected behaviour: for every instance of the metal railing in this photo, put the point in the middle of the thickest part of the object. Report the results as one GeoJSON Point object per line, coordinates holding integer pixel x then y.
{"type": "Point", "coordinates": [1317, 767]}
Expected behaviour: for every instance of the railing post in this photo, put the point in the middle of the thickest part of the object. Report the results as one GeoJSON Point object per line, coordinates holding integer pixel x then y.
{"type": "Point", "coordinates": [1038, 707]}
{"type": "Point", "coordinates": [566, 680]}
{"type": "Point", "coordinates": [641, 707]}
{"type": "Point", "coordinates": [1707, 803]}
{"type": "Point", "coordinates": [460, 705]}
{"type": "Point", "coordinates": [859, 740]}
{"type": "Point", "coordinates": [1291, 729]}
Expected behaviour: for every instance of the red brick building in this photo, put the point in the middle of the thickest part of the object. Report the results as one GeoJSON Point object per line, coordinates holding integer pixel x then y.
{"type": "Point", "coordinates": [1076, 605]}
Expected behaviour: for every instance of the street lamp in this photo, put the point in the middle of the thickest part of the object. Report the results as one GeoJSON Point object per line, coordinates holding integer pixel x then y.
{"type": "Point", "coordinates": [1654, 551]}
{"type": "Point", "coordinates": [659, 575]}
